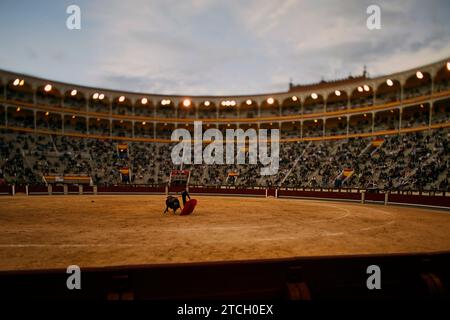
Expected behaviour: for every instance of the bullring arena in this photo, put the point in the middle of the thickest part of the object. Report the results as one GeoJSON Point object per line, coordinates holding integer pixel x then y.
{"type": "Point", "coordinates": [52, 232]}
{"type": "Point", "coordinates": [362, 180]}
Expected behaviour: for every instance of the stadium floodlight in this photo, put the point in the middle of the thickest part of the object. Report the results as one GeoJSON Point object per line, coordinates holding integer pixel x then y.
{"type": "Point", "coordinates": [366, 87]}
{"type": "Point", "coordinates": [337, 93]}
{"type": "Point", "coordinates": [22, 82]}
{"type": "Point", "coordinates": [95, 96]}
{"type": "Point", "coordinates": [121, 99]}
{"type": "Point", "coordinates": [48, 88]}
{"type": "Point", "coordinates": [16, 82]}
{"type": "Point", "coordinates": [270, 100]}
{"type": "Point", "coordinates": [314, 96]}
{"type": "Point", "coordinates": [101, 96]}
{"type": "Point", "coordinates": [186, 102]}
{"type": "Point", "coordinates": [294, 98]}
{"type": "Point", "coordinates": [206, 103]}
{"type": "Point", "coordinates": [73, 92]}
{"type": "Point", "coordinates": [248, 102]}
{"type": "Point", "coordinates": [144, 100]}
{"type": "Point", "coordinates": [419, 75]}
{"type": "Point", "coordinates": [448, 66]}
{"type": "Point", "coordinates": [389, 82]}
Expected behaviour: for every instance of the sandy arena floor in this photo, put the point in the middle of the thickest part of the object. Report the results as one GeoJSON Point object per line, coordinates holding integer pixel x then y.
{"type": "Point", "coordinates": [54, 232]}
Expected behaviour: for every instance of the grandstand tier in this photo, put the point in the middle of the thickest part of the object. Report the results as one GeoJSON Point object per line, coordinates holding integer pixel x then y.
{"type": "Point", "coordinates": [389, 132]}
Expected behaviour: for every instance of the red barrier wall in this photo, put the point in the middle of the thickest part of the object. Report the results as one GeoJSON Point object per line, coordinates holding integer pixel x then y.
{"type": "Point", "coordinates": [320, 194]}
{"type": "Point", "coordinates": [231, 191]}
{"type": "Point", "coordinates": [131, 189]}
{"type": "Point", "coordinates": [37, 190]}
{"type": "Point", "coordinates": [5, 189]}
{"type": "Point", "coordinates": [426, 200]}
{"type": "Point", "coordinates": [440, 201]}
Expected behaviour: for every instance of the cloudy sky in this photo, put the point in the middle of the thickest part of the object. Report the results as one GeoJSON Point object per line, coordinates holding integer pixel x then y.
{"type": "Point", "coordinates": [213, 47]}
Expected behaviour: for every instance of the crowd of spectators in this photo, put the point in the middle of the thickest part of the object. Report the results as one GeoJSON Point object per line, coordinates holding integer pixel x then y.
{"type": "Point", "coordinates": [413, 161]}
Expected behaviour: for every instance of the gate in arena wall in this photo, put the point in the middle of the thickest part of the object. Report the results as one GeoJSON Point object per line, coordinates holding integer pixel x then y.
{"type": "Point", "coordinates": [178, 181]}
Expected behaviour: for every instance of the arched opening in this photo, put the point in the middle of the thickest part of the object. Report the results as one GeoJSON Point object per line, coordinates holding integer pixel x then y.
{"type": "Point", "coordinates": [164, 131]}
{"type": "Point", "coordinates": [224, 126]}
{"type": "Point", "coordinates": [143, 129]}
{"type": "Point", "coordinates": [99, 103]}
{"type": "Point", "coordinates": [386, 120]}
{"type": "Point", "coordinates": [416, 116]}
{"type": "Point", "coordinates": [270, 107]}
{"type": "Point", "coordinates": [313, 128]}
{"type": "Point", "coordinates": [388, 91]}
{"type": "Point", "coordinates": [360, 123]}
{"type": "Point", "coordinates": [144, 108]}
{"type": "Point", "coordinates": [99, 126]}
{"type": "Point", "coordinates": [417, 85]}
{"type": "Point", "coordinates": [337, 100]}
{"type": "Point", "coordinates": [336, 126]}
{"type": "Point", "coordinates": [166, 109]}
{"type": "Point", "coordinates": [2, 90]}
{"type": "Point", "coordinates": [291, 129]}
{"type": "Point", "coordinates": [76, 124]}
{"type": "Point", "coordinates": [269, 126]}
{"type": "Point", "coordinates": [291, 106]}
{"type": "Point", "coordinates": [313, 104]}
{"type": "Point", "coordinates": [186, 110]}
{"type": "Point", "coordinates": [248, 109]}
{"type": "Point", "coordinates": [362, 96]}
{"type": "Point", "coordinates": [442, 79]}
{"type": "Point", "coordinates": [122, 105]}
{"type": "Point", "coordinates": [122, 128]}
{"type": "Point", "coordinates": [227, 110]}
{"type": "Point", "coordinates": [441, 111]}
{"type": "Point", "coordinates": [208, 110]}
{"type": "Point", "coordinates": [48, 95]}
{"type": "Point", "coordinates": [48, 121]}
{"type": "Point", "coordinates": [2, 115]}
{"type": "Point", "coordinates": [19, 90]}
{"type": "Point", "coordinates": [74, 99]}
{"type": "Point", "coordinates": [20, 117]}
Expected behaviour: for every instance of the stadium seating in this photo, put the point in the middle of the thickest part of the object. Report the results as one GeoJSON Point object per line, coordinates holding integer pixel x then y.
{"type": "Point", "coordinates": [413, 161]}
{"type": "Point", "coordinates": [327, 131]}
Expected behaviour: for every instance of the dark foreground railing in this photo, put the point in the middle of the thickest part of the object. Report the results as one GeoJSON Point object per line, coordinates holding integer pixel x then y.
{"type": "Point", "coordinates": [400, 276]}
